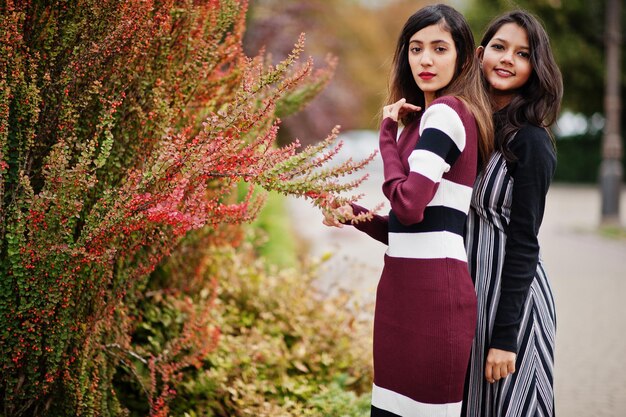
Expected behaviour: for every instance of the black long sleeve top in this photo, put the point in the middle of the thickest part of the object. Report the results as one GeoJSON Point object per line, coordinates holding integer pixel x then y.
{"type": "Point", "coordinates": [532, 174]}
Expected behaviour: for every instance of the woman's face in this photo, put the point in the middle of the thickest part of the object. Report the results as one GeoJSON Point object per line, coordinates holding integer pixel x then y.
{"type": "Point", "coordinates": [432, 58]}
{"type": "Point", "coordinates": [506, 60]}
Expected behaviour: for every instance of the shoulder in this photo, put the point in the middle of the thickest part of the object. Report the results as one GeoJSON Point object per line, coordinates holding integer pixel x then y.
{"type": "Point", "coordinates": [531, 138]}
{"type": "Point", "coordinates": [449, 104]}
{"type": "Point", "coordinates": [533, 144]}
{"type": "Point", "coordinates": [448, 115]}
{"type": "Point", "coordinates": [448, 109]}
{"type": "Point", "coordinates": [533, 133]}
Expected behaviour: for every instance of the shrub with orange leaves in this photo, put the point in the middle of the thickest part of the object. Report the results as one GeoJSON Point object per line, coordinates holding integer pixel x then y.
{"type": "Point", "coordinates": [124, 126]}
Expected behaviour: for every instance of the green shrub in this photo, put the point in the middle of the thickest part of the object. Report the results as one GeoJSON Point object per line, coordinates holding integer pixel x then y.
{"type": "Point", "coordinates": [335, 401]}
{"type": "Point", "coordinates": [283, 350]}
{"type": "Point", "coordinates": [579, 158]}
{"type": "Point", "coordinates": [125, 127]}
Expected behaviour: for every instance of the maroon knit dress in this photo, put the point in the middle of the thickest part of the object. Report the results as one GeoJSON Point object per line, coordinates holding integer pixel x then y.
{"type": "Point", "coordinates": [425, 314]}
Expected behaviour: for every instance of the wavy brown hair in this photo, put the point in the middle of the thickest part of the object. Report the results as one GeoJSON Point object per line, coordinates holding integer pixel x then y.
{"type": "Point", "coordinates": [466, 82]}
{"type": "Point", "coordinates": [539, 100]}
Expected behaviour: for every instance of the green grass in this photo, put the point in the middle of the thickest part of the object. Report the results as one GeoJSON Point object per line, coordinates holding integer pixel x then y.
{"type": "Point", "coordinates": [613, 232]}
{"type": "Point", "coordinates": [278, 243]}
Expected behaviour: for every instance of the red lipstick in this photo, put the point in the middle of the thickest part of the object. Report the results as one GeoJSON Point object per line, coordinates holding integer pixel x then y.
{"type": "Point", "coordinates": [426, 75]}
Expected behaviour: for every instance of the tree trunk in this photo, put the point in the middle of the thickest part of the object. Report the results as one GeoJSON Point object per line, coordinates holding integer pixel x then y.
{"type": "Point", "coordinates": [611, 167]}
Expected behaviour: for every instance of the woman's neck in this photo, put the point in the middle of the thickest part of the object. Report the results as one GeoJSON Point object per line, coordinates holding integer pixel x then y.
{"type": "Point", "coordinates": [500, 99]}
{"type": "Point", "coordinates": [428, 98]}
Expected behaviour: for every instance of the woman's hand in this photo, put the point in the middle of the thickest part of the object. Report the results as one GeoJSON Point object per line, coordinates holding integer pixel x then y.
{"type": "Point", "coordinates": [499, 364]}
{"type": "Point", "coordinates": [334, 211]}
{"type": "Point", "coordinates": [399, 109]}
{"type": "Point", "coordinates": [344, 211]}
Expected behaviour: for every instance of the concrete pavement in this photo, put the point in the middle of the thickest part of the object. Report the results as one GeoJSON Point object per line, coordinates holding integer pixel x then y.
{"type": "Point", "coordinates": [587, 270]}
{"type": "Point", "coordinates": [588, 273]}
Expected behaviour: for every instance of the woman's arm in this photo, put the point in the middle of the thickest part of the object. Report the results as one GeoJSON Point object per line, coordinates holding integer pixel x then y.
{"type": "Point", "coordinates": [532, 174]}
{"type": "Point", "coordinates": [377, 227]}
{"type": "Point", "coordinates": [442, 139]}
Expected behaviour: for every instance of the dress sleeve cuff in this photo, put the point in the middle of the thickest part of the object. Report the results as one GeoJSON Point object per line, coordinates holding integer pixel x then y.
{"type": "Point", "coordinates": [505, 339]}
{"type": "Point", "coordinates": [389, 129]}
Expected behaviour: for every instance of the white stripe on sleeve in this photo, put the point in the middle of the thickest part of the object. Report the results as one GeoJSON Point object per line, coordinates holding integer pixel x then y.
{"type": "Point", "coordinates": [428, 164]}
{"type": "Point", "coordinates": [442, 117]}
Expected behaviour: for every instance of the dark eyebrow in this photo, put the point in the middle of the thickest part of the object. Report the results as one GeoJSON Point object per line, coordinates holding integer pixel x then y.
{"type": "Point", "coordinates": [432, 43]}
{"type": "Point", "coordinates": [504, 41]}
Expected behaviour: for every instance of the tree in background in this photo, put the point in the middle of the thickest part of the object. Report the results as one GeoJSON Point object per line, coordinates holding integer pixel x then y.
{"type": "Point", "coordinates": [125, 125]}
{"type": "Point", "coordinates": [361, 35]}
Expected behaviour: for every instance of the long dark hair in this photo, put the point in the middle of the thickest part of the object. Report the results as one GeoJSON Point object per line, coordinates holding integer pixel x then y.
{"type": "Point", "coordinates": [539, 100]}
{"type": "Point", "coordinates": [466, 83]}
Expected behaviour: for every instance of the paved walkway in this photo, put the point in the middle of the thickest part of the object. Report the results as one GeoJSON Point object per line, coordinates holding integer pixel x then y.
{"type": "Point", "coordinates": [587, 270]}
{"type": "Point", "coordinates": [588, 273]}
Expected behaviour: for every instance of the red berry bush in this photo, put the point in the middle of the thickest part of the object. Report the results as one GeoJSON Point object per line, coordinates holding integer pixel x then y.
{"type": "Point", "coordinates": [125, 127]}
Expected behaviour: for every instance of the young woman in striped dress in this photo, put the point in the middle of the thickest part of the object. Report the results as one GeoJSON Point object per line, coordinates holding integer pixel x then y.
{"type": "Point", "coordinates": [425, 312]}
{"type": "Point", "coordinates": [511, 364]}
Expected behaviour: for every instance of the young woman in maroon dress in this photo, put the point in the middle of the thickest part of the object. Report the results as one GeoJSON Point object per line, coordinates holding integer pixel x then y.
{"type": "Point", "coordinates": [425, 303]}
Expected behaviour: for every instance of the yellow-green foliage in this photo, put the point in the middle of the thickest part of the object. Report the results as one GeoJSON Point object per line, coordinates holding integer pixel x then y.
{"type": "Point", "coordinates": [94, 94]}
{"type": "Point", "coordinates": [124, 127]}
{"type": "Point", "coordinates": [284, 350]}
